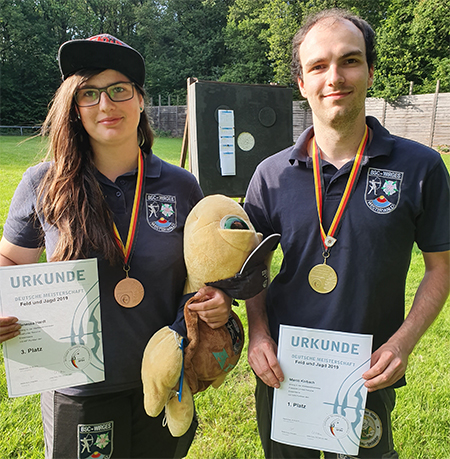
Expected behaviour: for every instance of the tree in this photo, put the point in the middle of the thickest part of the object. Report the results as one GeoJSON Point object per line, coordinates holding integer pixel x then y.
{"type": "Point", "coordinates": [413, 45]}
{"type": "Point", "coordinates": [29, 74]}
{"type": "Point", "coordinates": [430, 40]}
{"type": "Point", "coordinates": [283, 19]}
{"type": "Point", "coordinates": [181, 39]}
{"type": "Point", "coordinates": [243, 41]}
{"type": "Point", "coordinates": [31, 33]}
{"type": "Point", "coordinates": [259, 35]}
{"type": "Point", "coordinates": [246, 45]}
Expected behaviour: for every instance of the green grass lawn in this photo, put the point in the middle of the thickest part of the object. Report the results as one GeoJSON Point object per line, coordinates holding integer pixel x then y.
{"type": "Point", "coordinates": [227, 426]}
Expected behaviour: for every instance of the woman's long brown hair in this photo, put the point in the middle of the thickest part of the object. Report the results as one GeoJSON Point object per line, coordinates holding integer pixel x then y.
{"type": "Point", "coordinates": [70, 197]}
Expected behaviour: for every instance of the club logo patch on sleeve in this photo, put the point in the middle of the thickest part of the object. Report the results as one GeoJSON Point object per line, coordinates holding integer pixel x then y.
{"type": "Point", "coordinates": [95, 441]}
{"type": "Point", "coordinates": [161, 212]}
{"type": "Point", "coordinates": [383, 188]}
{"type": "Point", "coordinates": [372, 430]}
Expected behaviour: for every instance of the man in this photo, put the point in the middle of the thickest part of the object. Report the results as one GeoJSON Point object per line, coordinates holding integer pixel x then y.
{"type": "Point", "coordinates": [400, 196]}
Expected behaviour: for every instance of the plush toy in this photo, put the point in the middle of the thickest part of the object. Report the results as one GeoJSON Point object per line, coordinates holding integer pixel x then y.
{"type": "Point", "coordinates": [218, 239]}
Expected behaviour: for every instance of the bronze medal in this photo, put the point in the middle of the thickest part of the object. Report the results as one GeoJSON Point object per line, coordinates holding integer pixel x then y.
{"type": "Point", "coordinates": [322, 278]}
{"type": "Point", "coordinates": [129, 292]}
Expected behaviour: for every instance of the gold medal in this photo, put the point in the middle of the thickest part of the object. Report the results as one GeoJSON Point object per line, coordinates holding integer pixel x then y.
{"type": "Point", "coordinates": [129, 292]}
{"type": "Point", "coordinates": [322, 278]}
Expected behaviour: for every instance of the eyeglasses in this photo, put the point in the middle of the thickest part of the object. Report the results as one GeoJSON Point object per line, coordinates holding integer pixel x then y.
{"type": "Point", "coordinates": [117, 92]}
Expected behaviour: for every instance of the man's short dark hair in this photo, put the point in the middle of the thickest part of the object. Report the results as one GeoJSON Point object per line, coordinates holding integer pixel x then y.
{"type": "Point", "coordinates": [337, 14]}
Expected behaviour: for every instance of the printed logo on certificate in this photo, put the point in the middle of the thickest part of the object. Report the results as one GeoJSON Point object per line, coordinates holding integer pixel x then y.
{"type": "Point", "coordinates": [320, 405]}
{"type": "Point", "coordinates": [60, 342]}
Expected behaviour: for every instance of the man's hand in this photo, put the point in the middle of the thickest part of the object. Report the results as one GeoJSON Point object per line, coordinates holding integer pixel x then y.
{"type": "Point", "coordinates": [388, 365]}
{"type": "Point", "coordinates": [262, 357]}
{"type": "Point", "coordinates": [262, 349]}
{"type": "Point", "coordinates": [213, 306]}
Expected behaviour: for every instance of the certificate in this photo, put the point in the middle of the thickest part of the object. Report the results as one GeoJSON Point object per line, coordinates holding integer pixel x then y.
{"type": "Point", "coordinates": [60, 342]}
{"type": "Point", "coordinates": [320, 404]}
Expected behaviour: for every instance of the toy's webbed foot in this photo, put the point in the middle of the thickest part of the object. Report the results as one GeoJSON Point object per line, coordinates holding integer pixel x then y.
{"type": "Point", "coordinates": [161, 369]}
{"type": "Point", "coordinates": [179, 414]}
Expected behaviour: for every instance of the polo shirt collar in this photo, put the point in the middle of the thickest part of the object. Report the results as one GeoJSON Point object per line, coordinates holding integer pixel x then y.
{"type": "Point", "coordinates": [381, 143]}
{"type": "Point", "coordinates": [300, 150]}
{"type": "Point", "coordinates": [154, 166]}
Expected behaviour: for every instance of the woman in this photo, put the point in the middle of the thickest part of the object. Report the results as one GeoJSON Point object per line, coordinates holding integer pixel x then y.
{"type": "Point", "coordinates": [79, 205]}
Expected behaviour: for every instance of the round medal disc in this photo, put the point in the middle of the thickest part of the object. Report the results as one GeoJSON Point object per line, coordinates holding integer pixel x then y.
{"type": "Point", "coordinates": [322, 278]}
{"type": "Point", "coordinates": [129, 292]}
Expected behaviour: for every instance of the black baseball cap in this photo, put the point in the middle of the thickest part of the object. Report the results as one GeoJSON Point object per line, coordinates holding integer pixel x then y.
{"type": "Point", "coordinates": [101, 52]}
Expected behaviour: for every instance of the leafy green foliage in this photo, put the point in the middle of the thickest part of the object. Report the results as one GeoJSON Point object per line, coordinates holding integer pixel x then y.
{"type": "Point", "coordinates": [246, 58]}
{"type": "Point", "coordinates": [26, 59]}
{"type": "Point", "coordinates": [181, 39]}
{"type": "Point", "coordinates": [282, 20]}
{"type": "Point", "coordinates": [242, 41]}
{"type": "Point", "coordinates": [413, 45]}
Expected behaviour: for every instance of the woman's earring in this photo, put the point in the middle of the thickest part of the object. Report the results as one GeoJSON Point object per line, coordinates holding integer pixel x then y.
{"type": "Point", "coordinates": [141, 109]}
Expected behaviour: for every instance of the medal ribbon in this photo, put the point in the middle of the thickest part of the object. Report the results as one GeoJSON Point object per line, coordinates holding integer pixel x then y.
{"type": "Point", "coordinates": [351, 183]}
{"type": "Point", "coordinates": [132, 230]}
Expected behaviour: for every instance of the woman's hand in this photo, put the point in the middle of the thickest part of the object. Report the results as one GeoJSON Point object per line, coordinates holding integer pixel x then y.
{"type": "Point", "coordinates": [9, 328]}
{"type": "Point", "coordinates": [213, 306]}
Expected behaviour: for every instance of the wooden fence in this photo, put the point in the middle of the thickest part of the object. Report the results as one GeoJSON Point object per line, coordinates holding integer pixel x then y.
{"type": "Point", "coordinates": [424, 118]}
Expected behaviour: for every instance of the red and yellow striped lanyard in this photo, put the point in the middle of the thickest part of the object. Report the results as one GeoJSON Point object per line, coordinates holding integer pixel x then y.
{"type": "Point", "coordinates": [134, 221]}
{"type": "Point", "coordinates": [328, 239]}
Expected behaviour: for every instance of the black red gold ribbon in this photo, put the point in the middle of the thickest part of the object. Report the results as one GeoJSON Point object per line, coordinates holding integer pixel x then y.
{"type": "Point", "coordinates": [351, 183]}
{"type": "Point", "coordinates": [134, 220]}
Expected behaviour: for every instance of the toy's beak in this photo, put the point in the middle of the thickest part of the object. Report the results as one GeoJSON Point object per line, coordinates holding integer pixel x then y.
{"type": "Point", "coordinates": [253, 276]}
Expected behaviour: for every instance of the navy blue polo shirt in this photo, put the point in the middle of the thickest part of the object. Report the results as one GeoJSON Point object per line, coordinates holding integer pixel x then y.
{"type": "Point", "coordinates": [402, 197]}
{"type": "Point", "coordinates": [157, 262]}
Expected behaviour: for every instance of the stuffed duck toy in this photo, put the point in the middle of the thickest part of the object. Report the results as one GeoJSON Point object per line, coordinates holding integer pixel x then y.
{"type": "Point", "coordinates": [189, 356]}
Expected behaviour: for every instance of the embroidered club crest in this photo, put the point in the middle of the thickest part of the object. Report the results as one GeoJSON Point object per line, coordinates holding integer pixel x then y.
{"type": "Point", "coordinates": [95, 441]}
{"type": "Point", "coordinates": [161, 212]}
{"type": "Point", "coordinates": [383, 188]}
